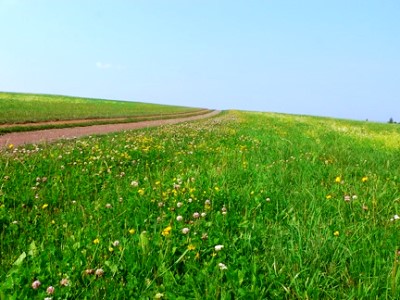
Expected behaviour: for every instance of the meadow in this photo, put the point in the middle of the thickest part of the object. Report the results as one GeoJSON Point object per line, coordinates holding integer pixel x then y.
{"type": "Point", "coordinates": [25, 108]}
{"type": "Point", "coordinates": [239, 206]}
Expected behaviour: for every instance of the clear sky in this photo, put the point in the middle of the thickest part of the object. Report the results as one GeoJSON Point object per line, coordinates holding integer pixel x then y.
{"type": "Point", "coordinates": [336, 58]}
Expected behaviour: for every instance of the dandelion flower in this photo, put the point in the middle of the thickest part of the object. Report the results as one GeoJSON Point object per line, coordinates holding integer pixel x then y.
{"type": "Point", "coordinates": [166, 231]}
{"type": "Point", "coordinates": [338, 179]}
{"type": "Point", "coordinates": [218, 247]}
{"type": "Point", "coordinates": [36, 284]}
{"type": "Point", "coordinates": [328, 196]}
{"type": "Point", "coordinates": [364, 179]}
{"type": "Point", "coordinates": [191, 247]}
{"type": "Point", "coordinates": [132, 231]}
{"type": "Point", "coordinates": [96, 241]}
{"type": "Point", "coordinates": [45, 206]}
{"type": "Point", "coordinates": [222, 266]}
{"type": "Point", "coordinates": [336, 233]}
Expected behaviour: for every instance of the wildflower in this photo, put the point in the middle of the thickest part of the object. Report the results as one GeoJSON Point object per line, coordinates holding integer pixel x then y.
{"type": "Point", "coordinates": [223, 209]}
{"type": "Point", "coordinates": [159, 296]}
{"type": "Point", "coordinates": [89, 271]}
{"type": "Point", "coordinates": [354, 197]}
{"type": "Point", "coordinates": [204, 236]}
{"type": "Point", "coordinates": [45, 206]}
{"type": "Point", "coordinates": [111, 249]}
{"type": "Point", "coordinates": [395, 217]}
{"type": "Point", "coordinates": [185, 230]}
{"type": "Point", "coordinates": [268, 199]}
{"type": "Point", "coordinates": [141, 192]}
{"type": "Point", "coordinates": [364, 207]}
{"type": "Point", "coordinates": [203, 214]}
{"type": "Point", "coordinates": [338, 179]}
{"type": "Point", "coordinates": [179, 204]}
{"type": "Point", "coordinates": [347, 198]}
{"type": "Point", "coordinates": [134, 183]}
{"type": "Point", "coordinates": [50, 290]}
{"type": "Point", "coordinates": [116, 243]}
{"type": "Point", "coordinates": [161, 204]}
{"type": "Point", "coordinates": [218, 247]}
{"type": "Point", "coordinates": [99, 272]}
{"type": "Point", "coordinates": [190, 200]}
{"type": "Point", "coordinates": [108, 205]}
{"type": "Point", "coordinates": [64, 282]}
{"type": "Point", "coordinates": [10, 146]}
{"type": "Point", "coordinates": [166, 231]}
{"type": "Point", "coordinates": [328, 196]}
{"type": "Point", "coordinates": [336, 233]}
{"type": "Point", "coordinates": [222, 266]}
{"type": "Point", "coordinates": [364, 179]}
{"type": "Point", "coordinates": [191, 247]}
{"type": "Point", "coordinates": [179, 218]}
{"type": "Point", "coordinates": [132, 231]}
{"type": "Point", "coordinates": [36, 284]}
{"type": "Point", "coordinates": [196, 215]}
{"type": "Point", "coordinates": [96, 241]}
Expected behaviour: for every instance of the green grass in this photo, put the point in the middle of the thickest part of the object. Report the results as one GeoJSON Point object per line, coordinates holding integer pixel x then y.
{"type": "Point", "coordinates": [24, 108]}
{"type": "Point", "coordinates": [277, 186]}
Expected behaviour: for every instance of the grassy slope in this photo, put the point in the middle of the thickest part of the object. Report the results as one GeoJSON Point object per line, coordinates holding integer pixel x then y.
{"type": "Point", "coordinates": [23, 108]}
{"type": "Point", "coordinates": [281, 180]}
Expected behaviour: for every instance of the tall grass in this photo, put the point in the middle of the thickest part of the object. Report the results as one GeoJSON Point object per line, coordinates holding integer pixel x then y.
{"type": "Point", "coordinates": [242, 206]}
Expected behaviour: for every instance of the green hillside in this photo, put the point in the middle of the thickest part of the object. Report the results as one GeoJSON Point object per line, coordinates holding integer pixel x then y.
{"type": "Point", "coordinates": [239, 206]}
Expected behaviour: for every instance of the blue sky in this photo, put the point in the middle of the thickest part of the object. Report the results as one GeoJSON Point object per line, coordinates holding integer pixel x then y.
{"type": "Point", "coordinates": [327, 58]}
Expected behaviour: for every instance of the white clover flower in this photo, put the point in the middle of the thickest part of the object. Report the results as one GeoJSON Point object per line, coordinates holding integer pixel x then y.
{"type": "Point", "coordinates": [134, 183]}
{"type": "Point", "coordinates": [207, 202]}
{"type": "Point", "coordinates": [116, 243]}
{"type": "Point", "coordinates": [108, 205]}
{"type": "Point", "coordinates": [64, 282]}
{"type": "Point", "coordinates": [203, 214]}
{"type": "Point", "coordinates": [179, 204]}
{"type": "Point", "coordinates": [218, 247]}
{"type": "Point", "coordinates": [395, 217]}
{"type": "Point", "coordinates": [222, 266]}
{"type": "Point", "coordinates": [196, 215]}
{"type": "Point", "coordinates": [50, 290]}
{"type": "Point", "coordinates": [185, 230]}
{"type": "Point", "coordinates": [179, 218]}
{"type": "Point", "coordinates": [36, 284]}
{"type": "Point", "coordinates": [347, 198]}
{"type": "Point", "coordinates": [99, 272]}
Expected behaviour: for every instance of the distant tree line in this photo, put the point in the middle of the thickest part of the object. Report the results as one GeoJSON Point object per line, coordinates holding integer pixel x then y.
{"type": "Point", "coordinates": [391, 121]}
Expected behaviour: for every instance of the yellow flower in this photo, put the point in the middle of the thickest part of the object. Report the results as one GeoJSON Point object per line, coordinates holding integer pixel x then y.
{"type": "Point", "coordinates": [328, 196]}
{"type": "Point", "coordinates": [111, 249]}
{"type": "Point", "coordinates": [336, 233]}
{"type": "Point", "coordinates": [53, 222]}
{"type": "Point", "coordinates": [338, 179]}
{"type": "Point", "coordinates": [166, 231]}
{"type": "Point", "coordinates": [10, 146]}
{"type": "Point", "coordinates": [364, 179]}
{"type": "Point", "coordinates": [96, 241]}
{"type": "Point", "coordinates": [44, 206]}
{"type": "Point", "coordinates": [141, 192]}
{"type": "Point", "coordinates": [191, 247]}
{"type": "Point", "coordinates": [132, 231]}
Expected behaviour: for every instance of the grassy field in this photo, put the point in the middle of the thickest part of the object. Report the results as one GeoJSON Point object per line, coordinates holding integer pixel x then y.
{"type": "Point", "coordinates": [241, 206]}
{"type": "Point", "coordinates": [24, 108]}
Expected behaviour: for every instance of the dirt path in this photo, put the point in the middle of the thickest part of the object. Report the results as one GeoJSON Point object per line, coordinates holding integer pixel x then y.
{"type": "Point", "coordinates": [49, 135]}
